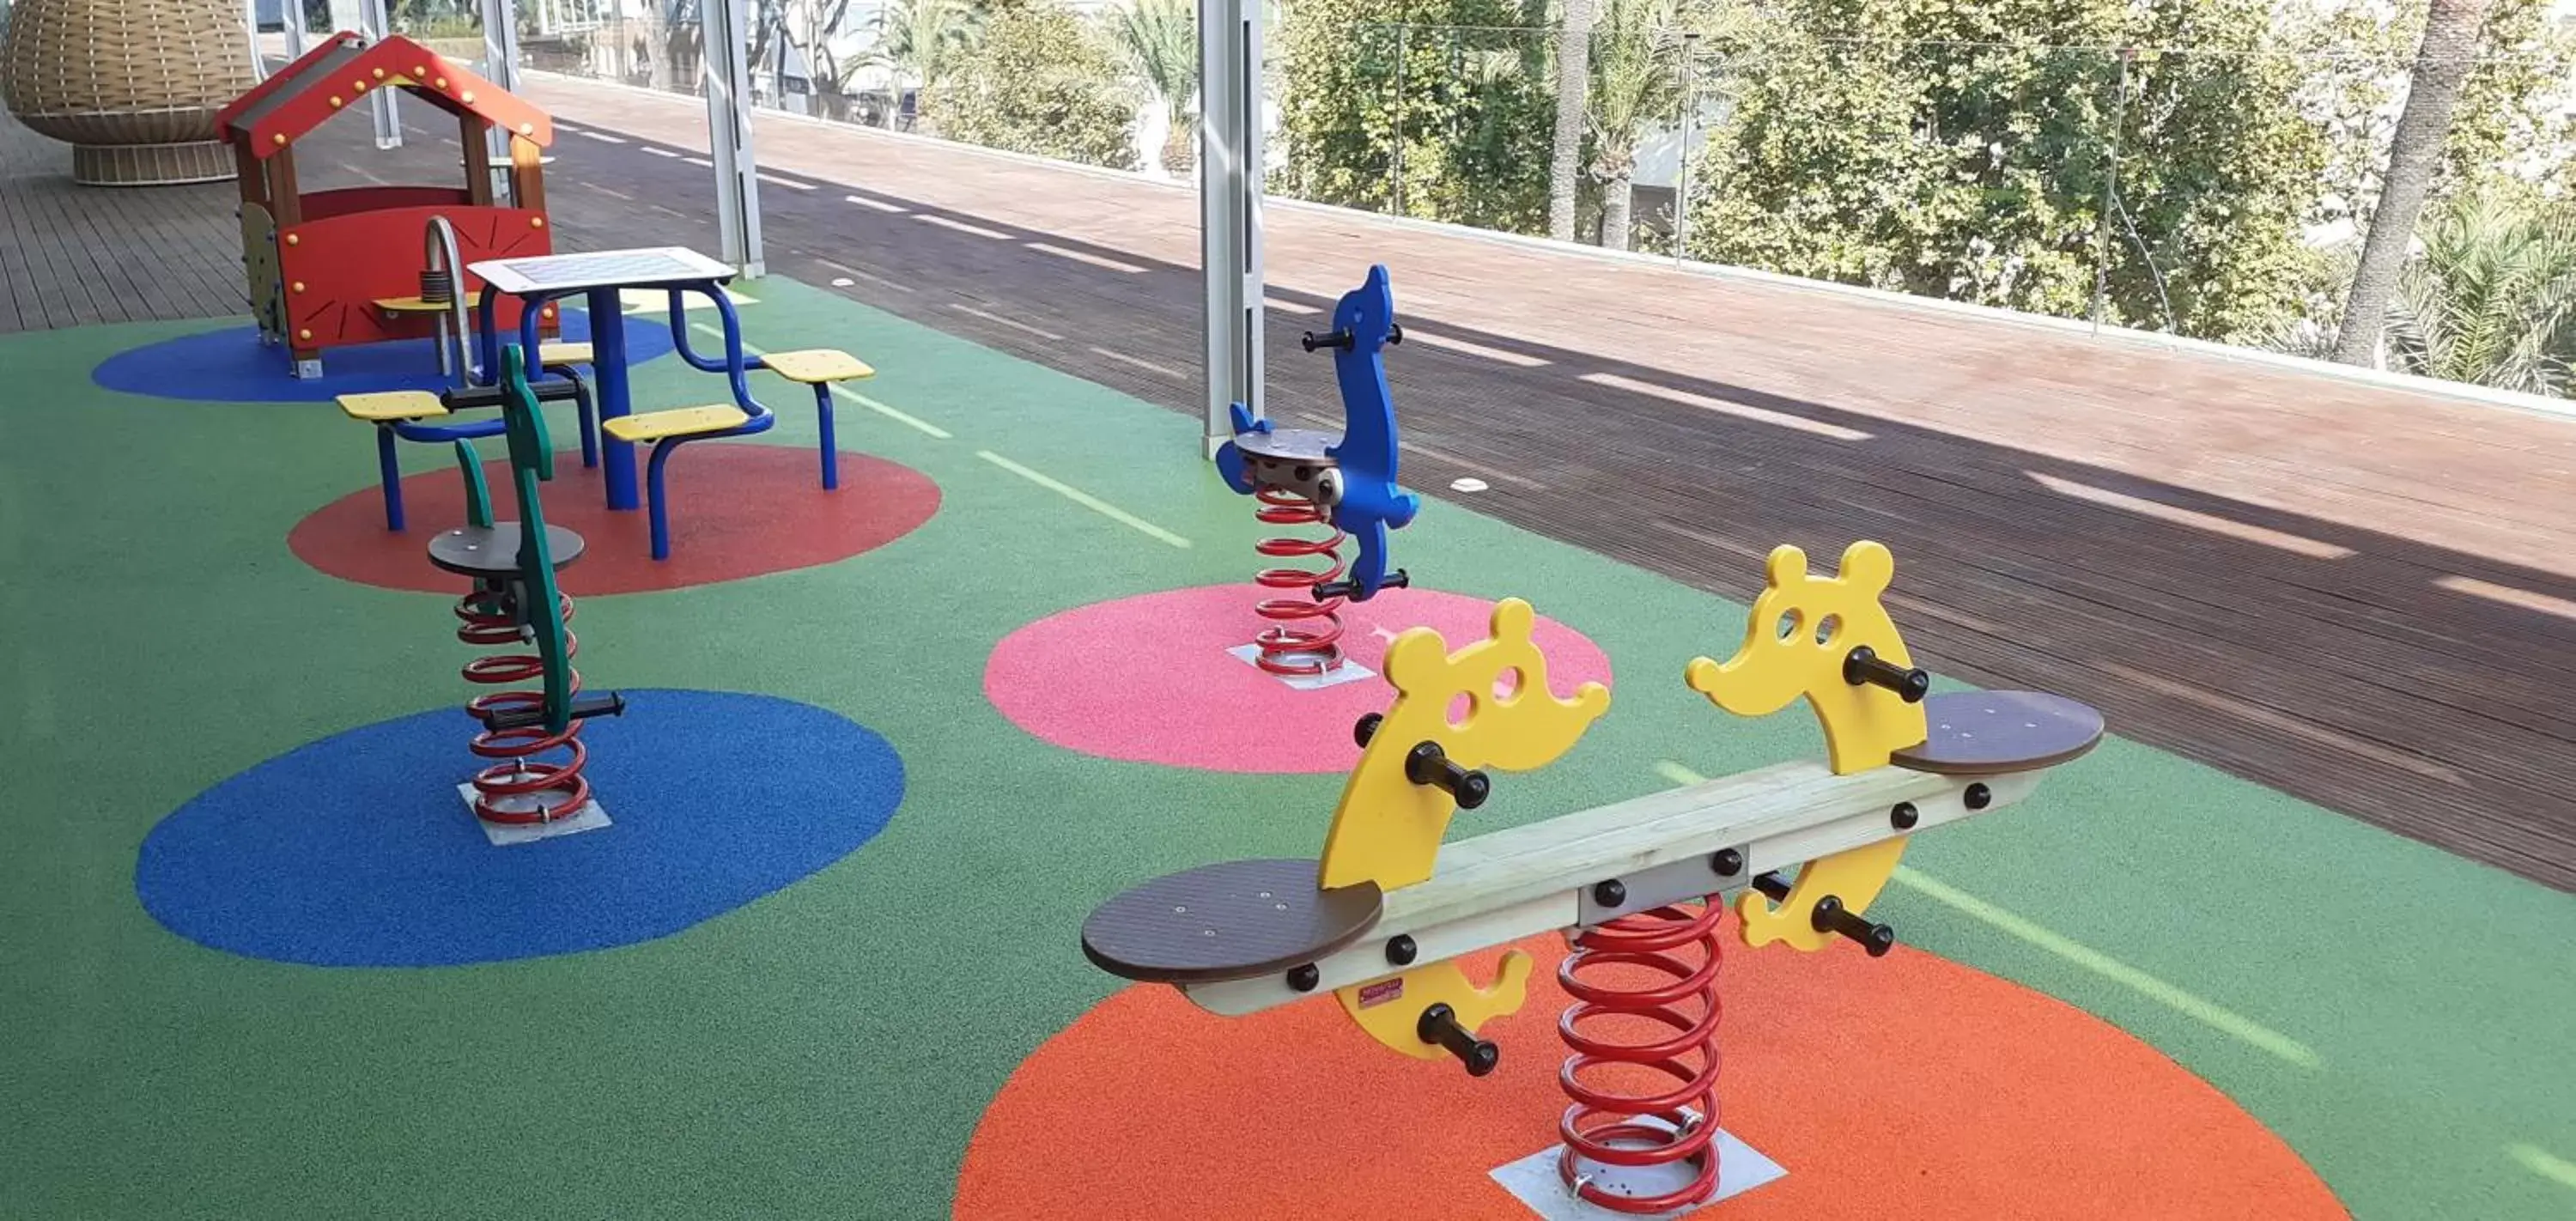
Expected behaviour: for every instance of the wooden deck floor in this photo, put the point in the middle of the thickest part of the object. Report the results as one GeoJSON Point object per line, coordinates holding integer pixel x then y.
{"type": "Point", "coordinates": [2362, 596]}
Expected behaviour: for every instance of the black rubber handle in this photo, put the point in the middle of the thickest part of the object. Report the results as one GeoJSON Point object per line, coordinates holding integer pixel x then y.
{"type": "Point", "coordinates": [1428, 764]}
{"type": "Point", "coordinates": [1439, 1025]}
{"type": "Point", "coordinates": [1862, 666]}
{"type": "Point", "coordinates": [584, 707]}
{"type": "Point", "coordinates": [1347, 588]}
{"type": "Point", "coordinates": [1340, 340]}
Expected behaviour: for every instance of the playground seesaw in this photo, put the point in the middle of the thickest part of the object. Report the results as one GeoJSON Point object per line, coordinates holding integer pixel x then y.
{"type": "Point", "coordinates": [1803, 848]}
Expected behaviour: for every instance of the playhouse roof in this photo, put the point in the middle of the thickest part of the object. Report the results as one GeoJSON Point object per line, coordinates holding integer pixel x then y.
{"type": "Point", "coordinates": [338, 72]}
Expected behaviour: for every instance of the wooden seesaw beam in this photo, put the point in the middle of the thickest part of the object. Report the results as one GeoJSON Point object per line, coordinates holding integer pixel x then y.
{"type": "Point", "coordinates": [1661, 848]}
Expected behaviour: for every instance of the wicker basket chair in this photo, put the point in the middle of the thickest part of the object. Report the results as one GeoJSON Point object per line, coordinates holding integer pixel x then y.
{"type": "Point", "coordinates": [131, 85]}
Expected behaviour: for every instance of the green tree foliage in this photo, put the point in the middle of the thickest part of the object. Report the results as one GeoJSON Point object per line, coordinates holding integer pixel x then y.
{"type": "Point", "coordinates": [921, 43]}
{"type": "Point", "coordinates": [1040, 81]}
{"type": "Point", "coordinates": [1957, 148]}
{"type": "Point", "coordinates": [1636, 66]}
{"type": "Point", "coordinates": [2489, 297]}
{"type": "Point", "coordinates": [1161, 41]}
{"type": "Point", "coordinates": [1465, 139]}
{"type": "Point", "coordinates": [2512, 120]}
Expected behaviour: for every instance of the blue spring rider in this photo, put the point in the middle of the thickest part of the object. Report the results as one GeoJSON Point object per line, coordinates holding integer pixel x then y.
{"type": "Point", "coordinates": [1305, 476]}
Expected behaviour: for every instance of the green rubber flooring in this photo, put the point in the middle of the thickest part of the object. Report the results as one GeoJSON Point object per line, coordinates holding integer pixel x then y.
{"type": "Point", "coordinates": [2399, 1016]}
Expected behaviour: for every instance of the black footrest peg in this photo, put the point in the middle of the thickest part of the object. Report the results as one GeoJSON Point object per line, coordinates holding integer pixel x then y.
{"type": "Point", "coordinates": [1439, 1024]}
{"type": "Point", "coordinates": [584, 707]}
{"type": "Point", "coordinates": [1831, 916]}
{"type": "Point", "coordinates": [1328, 590]}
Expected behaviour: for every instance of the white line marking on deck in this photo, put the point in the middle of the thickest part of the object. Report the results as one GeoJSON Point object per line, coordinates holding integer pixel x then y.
{"type": "Point", "coordinates": [992, 317]}
{"type": "Point", "coordinates": [1080, 257]}
{"type": "Point", "coordinates": [1760, 415]}
{"type": "Point", "coordinates": [960, 226]}
{"type": "Point", "coordinates": [2197, 520]}
{"type": "Point", "coordinates": [1123, 358]}
{"type": "Point", "coordinates": [1429, 339]}
{"type": "Point", "coordinates": [1085, 499]}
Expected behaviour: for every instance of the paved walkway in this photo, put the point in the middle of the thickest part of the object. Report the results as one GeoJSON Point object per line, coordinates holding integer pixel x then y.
{"type": "Point", "coordinates": [2363, 596]}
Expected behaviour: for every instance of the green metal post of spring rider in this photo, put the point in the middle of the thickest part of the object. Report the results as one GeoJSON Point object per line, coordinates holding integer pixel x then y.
{"type": "Point", "coordinates": [515, 603]}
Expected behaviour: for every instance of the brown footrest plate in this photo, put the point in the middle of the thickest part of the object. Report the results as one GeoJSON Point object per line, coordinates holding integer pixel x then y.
{"type": "Point", "coordinates": [1236, 920]}
{"type": "Point", "coordinates": [1989, 733]}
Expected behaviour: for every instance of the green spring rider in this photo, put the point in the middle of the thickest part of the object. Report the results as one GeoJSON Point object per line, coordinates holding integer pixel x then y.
{"type": "Point", "coordinates": [532, 736]}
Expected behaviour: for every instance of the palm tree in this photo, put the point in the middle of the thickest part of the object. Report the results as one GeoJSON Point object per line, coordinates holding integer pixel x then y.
{"type": "Point", "coordinates": [2442, 62]}
{"type": "Point", "coordinates": [921, 41]}
{"type": "Point", "coordinates": [1573, 79]}
{"type": "Point", "coordinates": [2490, 301]}
{"type": "Point", "coordinates": [1636, 85]}
{"type": "Point", "coordinates": [2493, 298]}
{"type": "Point", "coordinates": [1161, 41]}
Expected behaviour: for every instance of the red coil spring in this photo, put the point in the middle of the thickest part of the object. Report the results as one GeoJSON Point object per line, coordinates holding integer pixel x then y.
{"type": "Point", "coordinates": [1305, 633]}
{"type": "Point", "coordinates": [1605, 1125]}
{"type": "Point", "coordinates": [515, 791]}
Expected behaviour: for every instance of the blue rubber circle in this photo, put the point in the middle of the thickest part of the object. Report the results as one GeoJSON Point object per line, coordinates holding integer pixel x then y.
{"type": "Point", "coordinates": [357, 851]}
{"type": "Point", "coordinates": [231, 365]}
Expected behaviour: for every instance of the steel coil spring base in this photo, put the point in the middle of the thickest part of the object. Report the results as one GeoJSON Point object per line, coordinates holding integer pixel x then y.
{"type": "Point", "coordinates": [521, 789]}
{"type": "Point", "coordinates": [1305, 633]}
{"type": "Point", "coordinates": [1609, 1129]}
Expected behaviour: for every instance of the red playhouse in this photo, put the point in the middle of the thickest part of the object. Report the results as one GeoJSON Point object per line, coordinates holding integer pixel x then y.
{"type": "Point", "coordinates": [332, 269]}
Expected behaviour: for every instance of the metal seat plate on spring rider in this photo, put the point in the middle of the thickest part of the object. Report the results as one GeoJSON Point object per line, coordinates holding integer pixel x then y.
{"type": "Point", "coordinates": [1291, 459]}
{"type": "Point", "coordinates": [1992, 733]}
{"type": "Point", "coordinates": [1234, 920]}
{"type": "Point", "coordinates": [493, 551]}
{"type": "Point", "coordinates": [1289, 445]}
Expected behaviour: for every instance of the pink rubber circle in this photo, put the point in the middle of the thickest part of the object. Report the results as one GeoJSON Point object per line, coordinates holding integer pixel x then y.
{"type": "Point", "coordinates": [1147, 679]}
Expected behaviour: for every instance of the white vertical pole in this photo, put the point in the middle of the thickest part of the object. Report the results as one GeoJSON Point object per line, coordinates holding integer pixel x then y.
{"type": "Point", "coordinates": [250, 22]}
{"type": "Point", "coordinates": [726, 70]}
{"type": "Point", "coordinates": [1230, 172]}
{"type": "Point", "coordinates": [501, 67]}
{"type": "Point", "coordinates": [296, 35]}
{"type": "Point", "coordinates": [375, 24]}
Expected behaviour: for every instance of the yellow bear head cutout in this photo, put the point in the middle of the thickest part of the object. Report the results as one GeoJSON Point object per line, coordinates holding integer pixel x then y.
{"type": "Point", "coordinates": [1802, 630]}
{"type": "Point", "coordinates": [1388, 829]}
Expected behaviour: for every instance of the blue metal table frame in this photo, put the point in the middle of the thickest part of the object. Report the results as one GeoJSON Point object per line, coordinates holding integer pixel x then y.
{"type": "Point", "coordinates": [600, 277]}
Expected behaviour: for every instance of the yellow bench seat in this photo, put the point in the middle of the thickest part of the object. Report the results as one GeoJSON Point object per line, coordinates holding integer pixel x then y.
{"type": "Point", "coordinates": [815, 366]}
{"type": "Point", "coordinates": [418, 305]}
{"type": "Point", "coordinates": [382, 406]}
{"type": "Point", "coordinates": [676, 422]}
{"type": "Point", "coordinates": [563, 354]}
